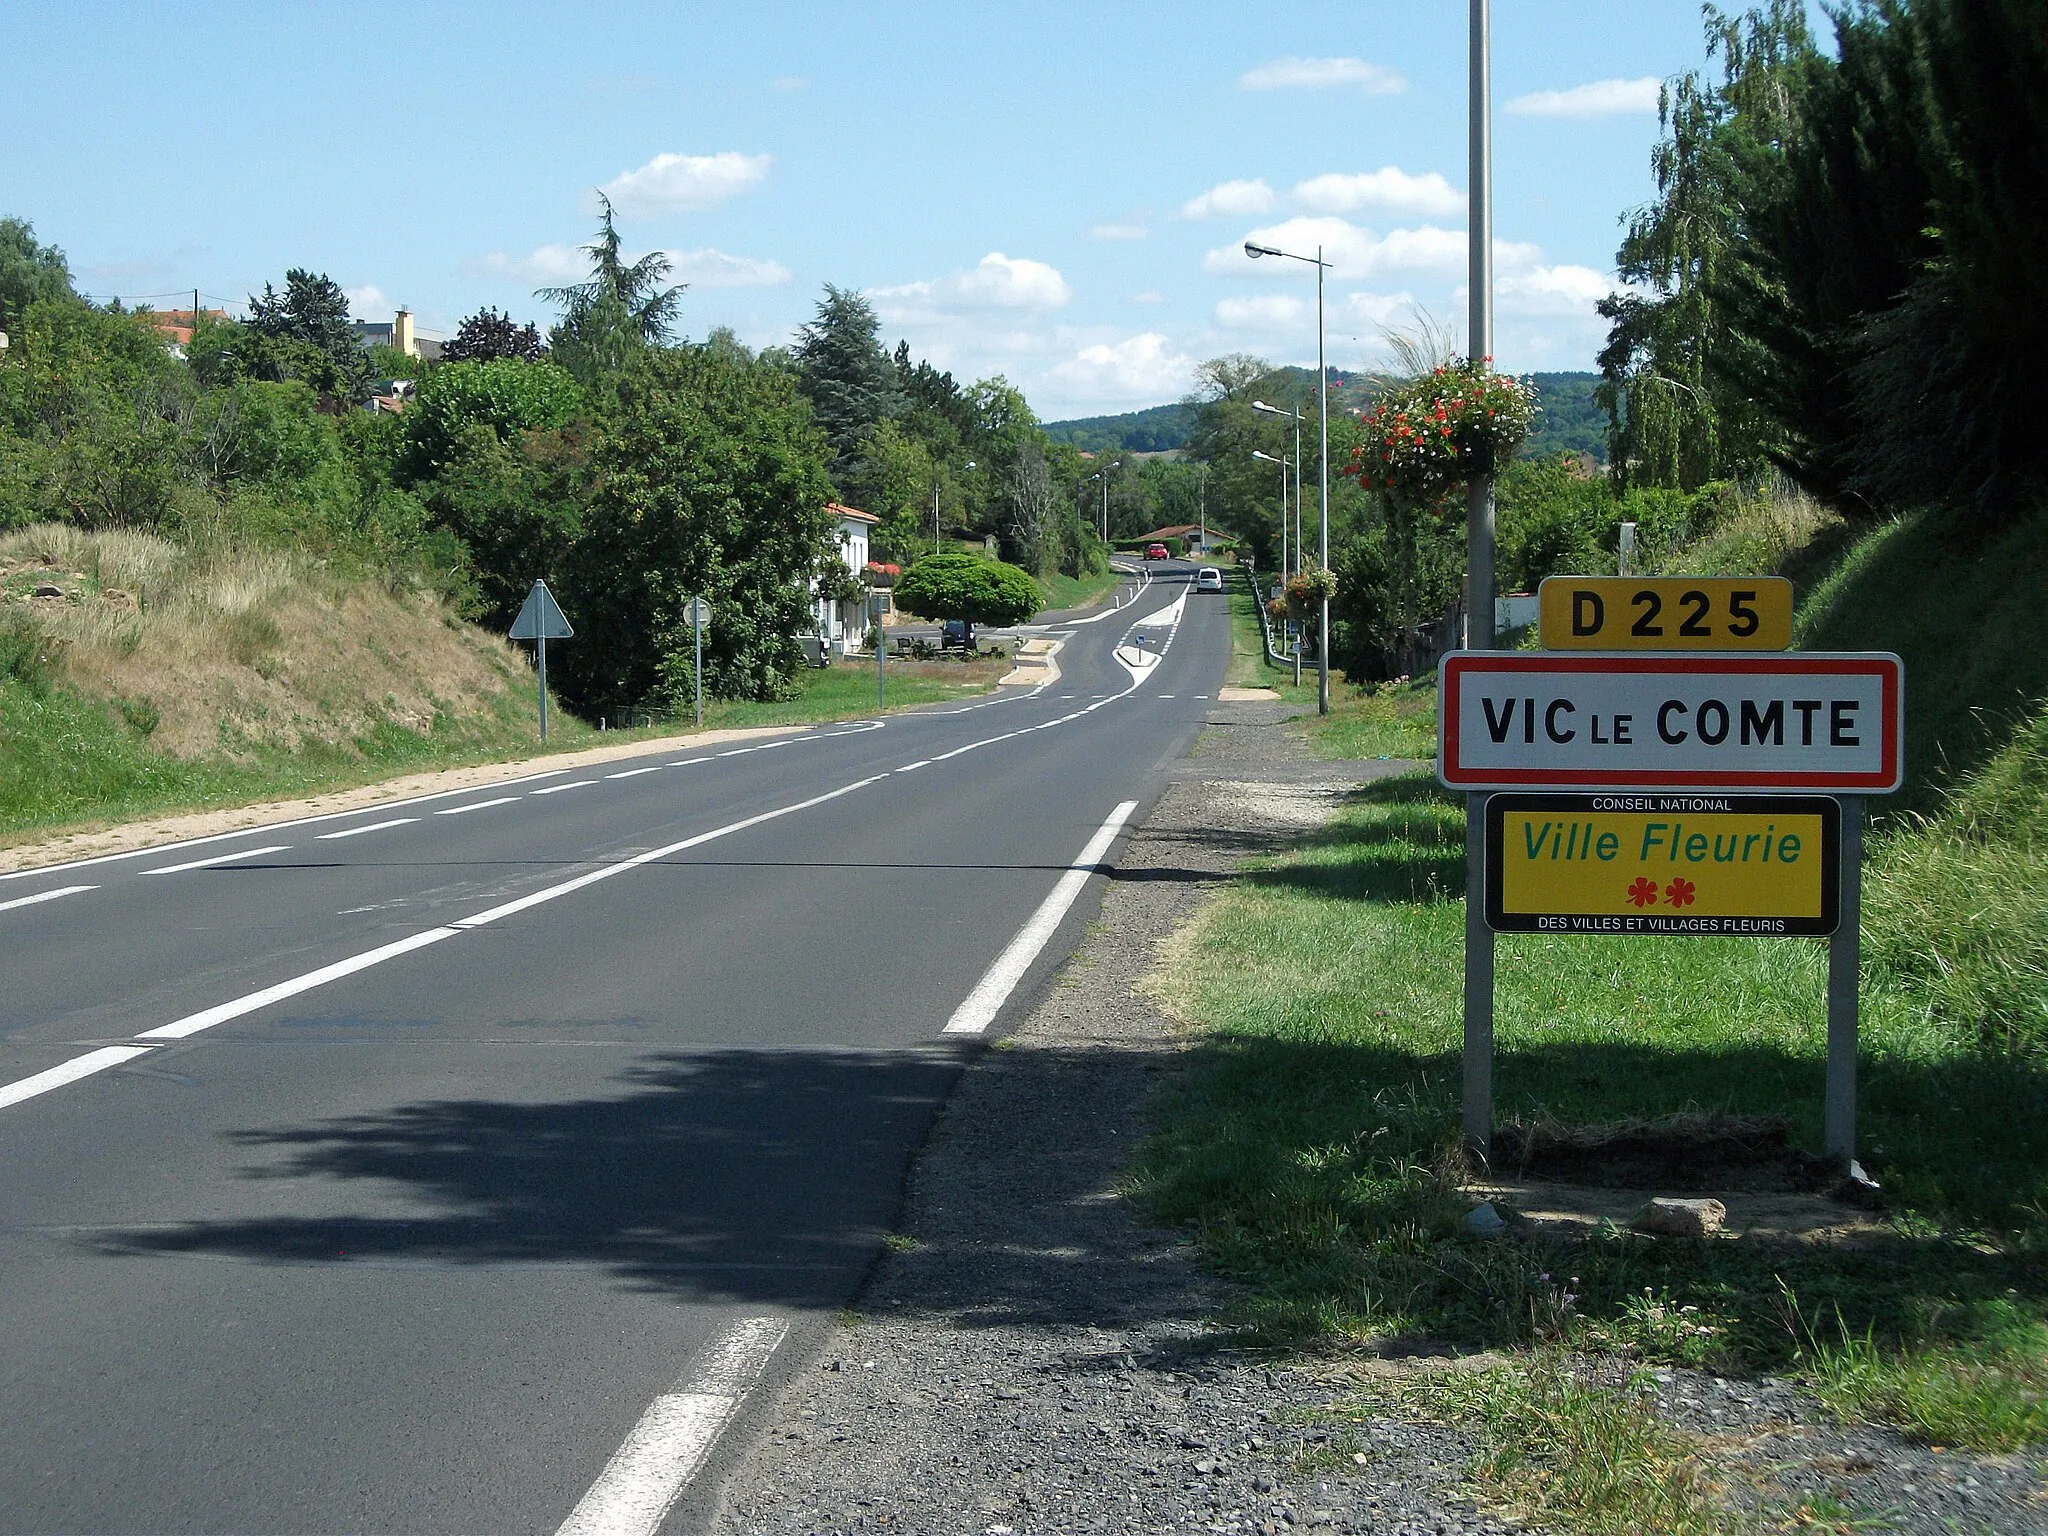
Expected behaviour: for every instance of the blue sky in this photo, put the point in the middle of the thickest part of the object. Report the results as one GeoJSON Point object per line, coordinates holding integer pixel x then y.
{"type": "Point", "coordinates": [1056, 192]}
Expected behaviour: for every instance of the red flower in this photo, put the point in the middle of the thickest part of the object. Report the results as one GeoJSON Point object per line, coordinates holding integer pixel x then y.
{"type": "Point", "coordinates": [1644, 892]}
{"type": "Point", "coordinates": [1679, 893]}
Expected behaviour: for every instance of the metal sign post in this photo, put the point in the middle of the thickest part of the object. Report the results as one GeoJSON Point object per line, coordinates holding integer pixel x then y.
{"type": "Point", "coordinates": [877, 606]}
{"type": "Point", "coordinates": [699, 614]}
{"type": "Point", "coordinates": [540, 620]}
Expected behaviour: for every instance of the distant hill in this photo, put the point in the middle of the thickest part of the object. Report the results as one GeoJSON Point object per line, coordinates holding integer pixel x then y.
{"type": "Point", "coordinates": [1147, 431]}
{"type": "Point", "coordinates": [1570, 420]}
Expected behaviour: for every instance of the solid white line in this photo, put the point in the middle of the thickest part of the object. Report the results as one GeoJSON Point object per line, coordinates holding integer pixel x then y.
{"type": "Point", "coordinates": [477, 805]}
{"type": "Point", "coordinates": [220, 1013]}
{"type": "Point", "coordinates": [275, 826]}
{"type": "Point", "coordinates": [994, 989]}
{"type": "Point", "coordinates": [923, 762]}
{"type": "Point", "coordinates": [375, 826]}
{"type": "Point", "coordinates": [645, 1476]}
{"type": "Point", "coordinates": [29, 901]}
{"type": "Point", "coordinates": [556, 789]}
{"type": "Point", "coordinates": [220, 858]}
{"type": "Point", "coordinates": [70, 1072]}
{"type": "Point", "coordinates": [192, 1024]}
{"type": "Point", "coordinates": [634, 773]}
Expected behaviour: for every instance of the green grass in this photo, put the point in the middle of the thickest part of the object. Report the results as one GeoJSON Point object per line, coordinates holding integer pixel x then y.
{"type": "Point", "coordinates": [1063, 592]}
{"type": "Point", "coordinates": [1311, 1144]}
{"type": "Point", "coordinates": [68, 760]}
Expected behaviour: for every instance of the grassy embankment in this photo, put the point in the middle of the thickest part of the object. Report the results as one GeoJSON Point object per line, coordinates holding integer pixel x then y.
{"type": "Point", "coordinates": [1312, 1142]}
{"type": "Point", "coordinates": [170, 677]}
{"type": "Point", "coordinates": [1064, 592]}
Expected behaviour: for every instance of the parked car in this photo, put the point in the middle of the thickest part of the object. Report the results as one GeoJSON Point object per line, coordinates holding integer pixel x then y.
{"type": "Point", "coordinates": [956, 632]}
{"type": "Point", "coordinates": [1208, 579]}
{"type": "Point", "coordinates": [1156, 552]}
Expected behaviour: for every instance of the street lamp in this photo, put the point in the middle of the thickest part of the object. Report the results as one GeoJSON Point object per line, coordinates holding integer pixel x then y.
{"type": "Point", "coordinates": [1285, 464]}
{"type": "Point", "coordinates": [935, 506]}
{"type": "Point", "coordinates": [1254, 250]}
{"type": "Point", "coordinates": [1274, 410]}
{"type": "Point", "coordinates": [1102, 474]}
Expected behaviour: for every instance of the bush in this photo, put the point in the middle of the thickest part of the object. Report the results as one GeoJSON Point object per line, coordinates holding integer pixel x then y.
{"type": "Point", "coordinates": [505, 395]}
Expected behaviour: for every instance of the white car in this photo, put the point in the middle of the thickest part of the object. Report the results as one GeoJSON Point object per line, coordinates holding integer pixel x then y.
{"type": "Point", "coordinates": [1208, 579]}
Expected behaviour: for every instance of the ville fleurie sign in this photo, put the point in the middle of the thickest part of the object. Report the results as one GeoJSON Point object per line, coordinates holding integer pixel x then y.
{"type": "Point", "coordinates": [1802, 722]}
{"type": "Point", "coordinates": [1757, 866]}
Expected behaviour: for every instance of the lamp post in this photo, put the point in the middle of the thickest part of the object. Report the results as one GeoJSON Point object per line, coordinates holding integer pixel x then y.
{"type": "Point", "coordinates": [1274, 410]}
{"type": "Point", "coordinates": [1322, 454]}
{"type": "Point", "coordinates": [1285, 465]}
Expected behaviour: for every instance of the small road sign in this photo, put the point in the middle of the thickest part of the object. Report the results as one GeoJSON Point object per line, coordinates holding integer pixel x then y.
{"type": "Point", "coordinates": [541, 617]}
{"type": "Point", "coordinates": [1750, 865]}
{"type": "Point", "coordinates": [697, 614]}
{"type": "Point", "coordinates": [1664, 613]}
{"type": "Point", "coordinates": [1806, 721]}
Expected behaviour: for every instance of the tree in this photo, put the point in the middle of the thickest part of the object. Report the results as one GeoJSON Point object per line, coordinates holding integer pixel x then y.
{"type": "Point", "coordinates": [956, 585]}
{"type": "Point", "coordinates": [707, 478]}
{"type": "Point", "coordinates": [852, 384]}
{"type": "Point", "coordinates": [28, 272]}
{"type": "Point", "coordinates": [504, 396]}
{"type": "Point", "coordinates": [311, 318]}
{"type": "Point", "coordinates": [487, 335]}
{"type": "Point", "coordinates": [618, 314]}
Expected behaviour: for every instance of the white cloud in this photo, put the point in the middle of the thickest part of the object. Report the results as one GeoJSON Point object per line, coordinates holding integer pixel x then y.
{"type": "Point", "coordinates": [1119, 232]}
{"type": "Point", "coordinates": [367, 301]}
{"type": "Point", "coordinates": [1322, 74]}
{"type": "Point", "coordinates": [1601, 98]}
{"type": "Point", "coordinates": [1389, 187]}
{"type": "Point", "coordinates": [671, 183]}
{"type": "Point", "coordinates": [1560, 290]}
{"type": "Point", "coordinates": [1149, 296]}
{"type": "Point", "coordinates": [1231, 199]}
{"type": "Point", "coordinates": [549, 265]}
{"type": "Point", "coordinates": [996, 282]}
{"type": "Point", "coordinates": [1358, 253]}
{"type": "Point", "coordinates": [710, 268]}
{"type": "Point", "coordinates": [1362, 307]}
{"type": "Point", "coordinates": [1261, 311]}
{"type": "Point", "coordinates": [1141, 367]}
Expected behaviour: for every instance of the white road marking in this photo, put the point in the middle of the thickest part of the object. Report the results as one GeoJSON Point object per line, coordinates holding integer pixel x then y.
{"type": "Point", "coordinates": [477, 805]}
{"type": "Point", "coordinates": [70, 1072]}
{"type": "Point", "coordinates": [923, 762]}
{"type": "Point", "coordinates": [275, 826]}
{"type": "Point", "coordinates": [220, 858]}
{"type": "Point", "coordinates": [29, 901]}
{"type": "Point", "coordinates": [556, 789]}
{"type": "Point", "coordinates": [642, 1481]}
{"type": "Point", "coordinates": [375, 826]}
{"type": "Point", "coordinates": [1163, 696]}
{"type": "Point", "coordinates": [220, 1013]}
{"type": "Point", "coordinates": [994, 989]}
{"type": "Point", "coordinates": [690, 762]}
{"type": "Point", "coordinates": [1166, 617]}
{"type": "Point", "coordinates": [634, 773]}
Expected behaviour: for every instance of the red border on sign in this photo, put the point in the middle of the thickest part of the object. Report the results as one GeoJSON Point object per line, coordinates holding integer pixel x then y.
{"type": "Point", "coordinates": [1888, 669]}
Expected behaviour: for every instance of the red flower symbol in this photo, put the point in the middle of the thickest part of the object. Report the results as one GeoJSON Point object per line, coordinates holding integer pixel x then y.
{"type": "Point", "coordinates": [1679, 893]}
{"type": "Point", "coordinates": [1644, 892]}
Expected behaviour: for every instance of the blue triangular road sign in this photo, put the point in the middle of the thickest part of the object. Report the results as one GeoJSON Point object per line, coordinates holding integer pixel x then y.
{"type": "Point", "coordinates": [541, 617]}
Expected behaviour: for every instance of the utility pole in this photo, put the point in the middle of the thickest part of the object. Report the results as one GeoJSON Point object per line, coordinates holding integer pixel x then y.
{"type": "Point", "coordinates": [1323, 492]}
{"type": "Point", "coordinates": [1479, 528]}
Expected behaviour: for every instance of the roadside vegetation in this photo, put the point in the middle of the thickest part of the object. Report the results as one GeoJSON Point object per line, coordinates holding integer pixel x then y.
{"type": "Point", "coordinates": [1855, 424]}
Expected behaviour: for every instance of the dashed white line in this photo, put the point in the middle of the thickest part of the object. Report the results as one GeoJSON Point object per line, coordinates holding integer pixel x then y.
{"type": "Point", "coordinates": [70, 1072]}
{"type": "Point", "coordinates": [29, 901]}
{"type": "Point", "coordinates": [556, 789]}
{"type": "Point", "coordinates": [219, 858]}
{"type": "Point", "coordinates": [690, 762]}
{"type": "Point", "coordinates": [994, 989]}
{"type": "Point", "coordinates": [375, 826]}
{"type": "Point", "coordinates": [477, 805]}
{"type": "Point", "coordinates": [642, 1481]}
{"type": "Point", "coordinates": [634, 773]}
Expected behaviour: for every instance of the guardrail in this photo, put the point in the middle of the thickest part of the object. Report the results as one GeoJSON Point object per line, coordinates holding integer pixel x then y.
{"type": "Point", "coordinates": [1282, 660]}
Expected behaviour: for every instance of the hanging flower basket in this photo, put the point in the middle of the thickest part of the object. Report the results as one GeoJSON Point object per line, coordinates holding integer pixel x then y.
{"type": "Point", "coordinates": [1308, 590]}
{"type": "Point", "coordinates": [1427, 436]}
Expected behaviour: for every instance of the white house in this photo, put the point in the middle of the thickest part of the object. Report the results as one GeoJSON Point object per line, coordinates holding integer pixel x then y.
{"type": "Point", "coordinates": [843, 625]}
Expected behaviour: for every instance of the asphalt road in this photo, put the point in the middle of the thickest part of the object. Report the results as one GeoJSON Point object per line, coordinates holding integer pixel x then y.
{"type": "Point", "coordinates": [454, 1166]}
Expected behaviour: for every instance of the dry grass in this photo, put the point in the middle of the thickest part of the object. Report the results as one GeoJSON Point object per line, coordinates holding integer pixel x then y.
{"type": "Point", "coordinates": [224, 650]}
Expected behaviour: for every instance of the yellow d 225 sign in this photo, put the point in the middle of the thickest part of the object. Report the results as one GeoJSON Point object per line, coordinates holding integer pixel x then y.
{"type": "Point", "coordinates": [1664, 613]}
{"type": "Point", "coordinates": [1663, 864]}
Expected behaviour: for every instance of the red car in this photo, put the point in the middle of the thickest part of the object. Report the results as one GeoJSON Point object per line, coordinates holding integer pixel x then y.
{"type": "Point", "coordinates": [1156, 552]}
